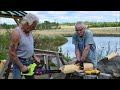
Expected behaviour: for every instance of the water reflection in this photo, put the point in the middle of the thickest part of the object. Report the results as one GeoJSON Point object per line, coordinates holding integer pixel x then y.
{"type": "Point", "coordinates": [105, 45]}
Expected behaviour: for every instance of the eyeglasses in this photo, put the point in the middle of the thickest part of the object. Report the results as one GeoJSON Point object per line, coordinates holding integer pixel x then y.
{"type": "Point", "coordinates": [79, 29]}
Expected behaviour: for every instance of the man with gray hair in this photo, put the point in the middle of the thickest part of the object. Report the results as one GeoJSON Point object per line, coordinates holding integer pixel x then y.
{"type": "Point", "coordinates": [85, 48]}
{"type": "Point", "coordinates": [21, 47]}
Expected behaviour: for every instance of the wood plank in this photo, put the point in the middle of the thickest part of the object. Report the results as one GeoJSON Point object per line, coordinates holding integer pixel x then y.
{"type": "Point", "coordinates": [45, 51]}
{"type": "Point", "coordinates": [8, 70]}
{"type": "Point", "coordinates": [9, 16]}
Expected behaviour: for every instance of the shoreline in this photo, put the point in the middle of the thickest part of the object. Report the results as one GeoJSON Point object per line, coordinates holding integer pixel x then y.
{"type": "Point", "coordinates": [96, 35]}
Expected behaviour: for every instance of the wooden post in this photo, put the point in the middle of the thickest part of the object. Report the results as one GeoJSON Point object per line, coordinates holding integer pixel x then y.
{"type": "Point", "coordinates": [16, 20]}
{"type": "Point", "coordinates": [5, 67]}
{"type": "Point", "coordinates": [61, 58]}
{"type": "Point", "coordinates": [8, 70]}
{"type": "Point", "coordinates": [58, 60]}
{"type": "Point", "coordinates": [46, 66]}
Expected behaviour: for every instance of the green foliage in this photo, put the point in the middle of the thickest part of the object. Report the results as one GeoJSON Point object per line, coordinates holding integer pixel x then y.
{"type": "Point", "coordinates": [66, 58]}
{"type": "Point", "coordinates": [4, 42]}
{"type": "Point", "coordinates": [49, 42]}
{"type": "Point", "coordinates": [7, 26]}
{"type": "Point", "coordinates": [48, 25]}
{"type": "Point", "coordinates": [103, 24]}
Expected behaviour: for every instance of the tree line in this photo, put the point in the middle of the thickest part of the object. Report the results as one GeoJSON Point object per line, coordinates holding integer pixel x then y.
{"type": "Point", "coordinates": [96, 24]}
{"type": "Point", "coordinates": [56, 25]}
{"type": "Point", "coordinates": [44, 25]}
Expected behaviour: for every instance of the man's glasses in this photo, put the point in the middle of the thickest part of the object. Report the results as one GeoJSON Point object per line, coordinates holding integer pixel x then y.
{"type": "Point", "coordinates": [79, 29]}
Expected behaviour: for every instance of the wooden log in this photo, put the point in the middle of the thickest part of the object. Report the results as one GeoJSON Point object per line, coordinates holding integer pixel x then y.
{"type": "Point", "coordinates": [110, 66]}
{"type": "Point", "coordinates": [73, 67]}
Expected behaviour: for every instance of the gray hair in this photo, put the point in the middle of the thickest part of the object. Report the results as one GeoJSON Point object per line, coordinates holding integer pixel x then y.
{"type": "Point", "coordinates": [79, 24]}
{"type": "Point", "coordinates": [30, 18]}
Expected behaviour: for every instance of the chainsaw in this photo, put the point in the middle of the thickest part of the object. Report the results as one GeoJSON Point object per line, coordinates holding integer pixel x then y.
{"type": "Point", "coordinates": [37, 69]}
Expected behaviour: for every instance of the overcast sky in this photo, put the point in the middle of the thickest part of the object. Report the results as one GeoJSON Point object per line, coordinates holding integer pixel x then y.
{"type": "Point", "coordinates": [72, 16]}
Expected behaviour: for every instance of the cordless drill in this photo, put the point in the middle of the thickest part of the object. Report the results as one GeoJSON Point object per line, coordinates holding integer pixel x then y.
{"type": "Point", "coordinates": [92, 72]}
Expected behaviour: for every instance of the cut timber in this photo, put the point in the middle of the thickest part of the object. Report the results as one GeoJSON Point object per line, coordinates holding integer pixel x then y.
{"type": "Point", "coordinates": [73, 67]}
{"type": "Point", "coordinates": [112, 55]}
{"type": "Point", "coordinates": [69, 68]}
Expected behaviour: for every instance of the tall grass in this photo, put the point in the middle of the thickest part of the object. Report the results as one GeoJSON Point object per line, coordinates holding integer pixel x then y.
{"type": "Point", "coordinates": [104, 51]}
{"type": "Point", "coordinates": [68, 31]}
{"type": "Point", "coordinates": [4, 42]}
{"type": "Point", "coordinates": [49, 42]}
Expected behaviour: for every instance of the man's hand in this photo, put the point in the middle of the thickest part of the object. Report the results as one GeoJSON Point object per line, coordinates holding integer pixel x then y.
{"type": "Point", "coordinates": [80, 63]}
{"type": "Point", "coordinates": [77, 62]}
{"type": "Point", "coordinates": [24, 68]}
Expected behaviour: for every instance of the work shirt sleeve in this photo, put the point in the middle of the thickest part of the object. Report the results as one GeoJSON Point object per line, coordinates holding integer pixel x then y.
{"type": "Point", "coordinates": [89, 38]}
{"type": "Point", "coordinates": [74, 39]}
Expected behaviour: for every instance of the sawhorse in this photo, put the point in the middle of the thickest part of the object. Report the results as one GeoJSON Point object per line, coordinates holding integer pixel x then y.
{"type": "Point", "coordinates": [7, 67]}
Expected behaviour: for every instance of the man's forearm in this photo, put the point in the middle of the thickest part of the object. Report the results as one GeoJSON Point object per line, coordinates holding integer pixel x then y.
{"type": "Point", "coordinates": [17, 62]}
{"type": "Point", "coordinates": [77, 52]}
{"type": "Point", "coordinates": [85, 53]}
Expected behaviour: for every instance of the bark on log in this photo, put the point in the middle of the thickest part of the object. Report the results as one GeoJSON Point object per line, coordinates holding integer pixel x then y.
{"type": "Point", "coordinates": [110, 66]}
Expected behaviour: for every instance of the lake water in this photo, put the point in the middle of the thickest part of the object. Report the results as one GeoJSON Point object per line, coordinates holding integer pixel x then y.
{"type": "Point", "coordinates": [103, 44]}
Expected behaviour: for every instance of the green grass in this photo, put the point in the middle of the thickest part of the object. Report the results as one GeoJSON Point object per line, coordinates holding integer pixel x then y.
{"type": "Point", "coordinates": [51, 42]}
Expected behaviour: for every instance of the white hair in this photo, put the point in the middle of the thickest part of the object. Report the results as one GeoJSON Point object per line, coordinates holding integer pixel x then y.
{"type": "Point", "coordinates": [79, 24]}
{"type": "Point", "coordinates": [30, 18]}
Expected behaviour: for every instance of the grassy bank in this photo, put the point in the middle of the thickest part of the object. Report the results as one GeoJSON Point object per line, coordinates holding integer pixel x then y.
{"type": "Point", "coordinates": [48, 42]}
{"type": "Point", "coordinates": [68, 30]}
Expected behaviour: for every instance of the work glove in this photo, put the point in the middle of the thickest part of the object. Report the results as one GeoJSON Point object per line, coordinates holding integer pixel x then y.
{"type": "Point", "coordinates": [80, 63]}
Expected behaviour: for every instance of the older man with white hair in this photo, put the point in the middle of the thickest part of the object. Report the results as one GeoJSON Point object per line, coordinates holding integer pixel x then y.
{"type": "Point", "coordinates": [21, 48]}
{"type": "Point", "coordinates": [85, 48]}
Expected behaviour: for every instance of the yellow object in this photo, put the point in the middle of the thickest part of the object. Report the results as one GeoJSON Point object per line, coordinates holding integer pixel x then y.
{"type": "Point", "coordinates": [92, 72]}
{"type": "Point", "coordinates": [2, 63]}
{"type": "Point", "coordinates": [31, 70]}
{"type": "Point", "coordinates": [73, 67]}
{"type": "Point", "coordinates": [112, 55]}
